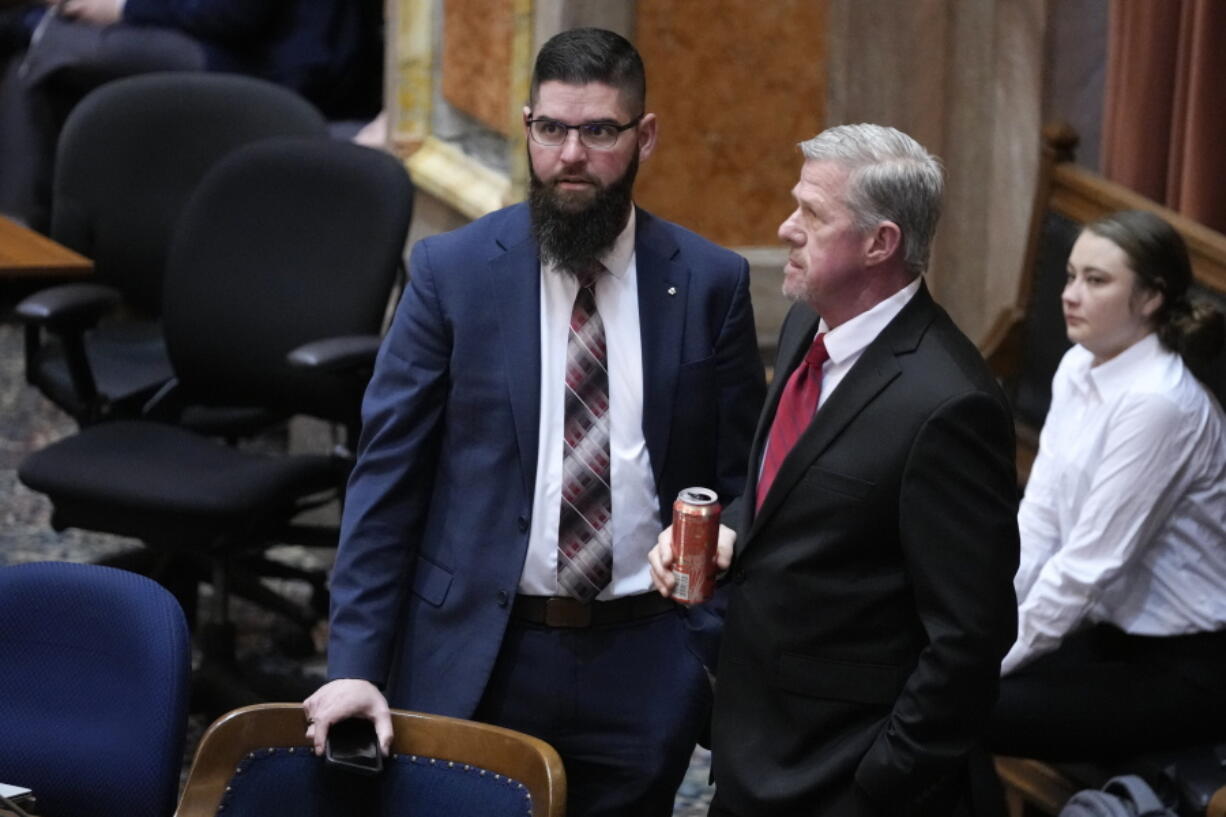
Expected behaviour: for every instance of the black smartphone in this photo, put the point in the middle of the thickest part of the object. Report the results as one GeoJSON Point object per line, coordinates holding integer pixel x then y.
{"type": "Point", "coordinates": [353, 746]}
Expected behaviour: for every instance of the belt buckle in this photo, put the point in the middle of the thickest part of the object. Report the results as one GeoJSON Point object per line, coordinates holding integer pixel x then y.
{"type": "Point", "coordinates": [564, 612]}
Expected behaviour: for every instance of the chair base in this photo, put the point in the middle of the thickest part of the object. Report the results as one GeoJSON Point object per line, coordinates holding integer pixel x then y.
{"type": "Point", "coordinates": [181, 573]}
{"type": "Point", "coordinates": [220, 684]}
{"type": "Point", "coordinates": [217, 685]}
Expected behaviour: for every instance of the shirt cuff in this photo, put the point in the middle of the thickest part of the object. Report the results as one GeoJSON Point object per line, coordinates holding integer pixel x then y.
{"type": "Point", "coordinates": [1017, 655]}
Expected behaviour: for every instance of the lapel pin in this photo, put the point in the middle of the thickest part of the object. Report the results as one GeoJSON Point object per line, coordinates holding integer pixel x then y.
{"type": "Point", "coordinates": [672, 290]}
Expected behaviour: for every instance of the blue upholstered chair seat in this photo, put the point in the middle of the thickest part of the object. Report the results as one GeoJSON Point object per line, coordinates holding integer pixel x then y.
{"type": "Point", "coordinates": [293, 781]}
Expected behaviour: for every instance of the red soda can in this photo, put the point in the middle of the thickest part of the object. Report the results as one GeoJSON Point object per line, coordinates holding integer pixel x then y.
{"type": "Point", "coordinates": [695, 534]}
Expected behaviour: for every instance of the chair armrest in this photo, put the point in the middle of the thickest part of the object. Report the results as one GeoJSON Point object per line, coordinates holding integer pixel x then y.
{"type": "Point", "coordinates": [341, 354]}
{"type": "Point", "coordinates": [69, 307]}
{"type": "Point", "coordinates": [68, 311]}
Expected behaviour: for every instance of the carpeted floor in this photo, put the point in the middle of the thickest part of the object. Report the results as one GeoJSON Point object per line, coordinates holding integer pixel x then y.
{"type": "Point", "coordinates": [28, 422]}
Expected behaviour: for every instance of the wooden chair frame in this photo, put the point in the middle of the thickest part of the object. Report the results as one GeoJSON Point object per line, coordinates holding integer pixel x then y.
{"type": "Point", "coordinates": [1081, 196]}
{"type": "Point", "coordinates": [1032, 783]}
{"type": "Point", "coordinates": [283, 725]}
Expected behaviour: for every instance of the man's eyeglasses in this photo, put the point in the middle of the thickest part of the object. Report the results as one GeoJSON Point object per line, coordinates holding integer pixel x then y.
{"type": "Point", "coordinates": [551, 133]}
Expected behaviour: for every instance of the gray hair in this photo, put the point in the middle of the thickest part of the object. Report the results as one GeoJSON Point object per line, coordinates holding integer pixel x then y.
{"type": "Point", "coordinates": [892, 178]}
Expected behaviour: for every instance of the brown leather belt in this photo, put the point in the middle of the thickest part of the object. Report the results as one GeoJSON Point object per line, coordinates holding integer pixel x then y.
{"type": "Point", "coordinates": [561, 611]}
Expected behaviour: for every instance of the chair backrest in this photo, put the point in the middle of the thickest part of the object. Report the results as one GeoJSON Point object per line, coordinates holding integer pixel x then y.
{"type": "Point", "coordinates": [95, 665]}
{"type": "Point", "coordinates": [132, 152]}
{"type": "Point", "coordinates": [1028, 339]}
{"type": "Point", "coordinates": [286, 241]}
{"type": "Point", "coordinates": [256, 761]}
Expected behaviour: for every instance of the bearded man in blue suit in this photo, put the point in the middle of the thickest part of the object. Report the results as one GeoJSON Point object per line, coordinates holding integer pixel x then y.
{"type": "Point", "coordinates": [460, 586]}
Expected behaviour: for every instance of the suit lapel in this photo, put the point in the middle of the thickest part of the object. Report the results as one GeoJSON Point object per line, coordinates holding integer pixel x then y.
{"type": "Point", "coordinates": [877, 367]}
{"type": "Point", "coordinates": [515, 279]}
{"type": "Point", "coordinates": [662, 283]}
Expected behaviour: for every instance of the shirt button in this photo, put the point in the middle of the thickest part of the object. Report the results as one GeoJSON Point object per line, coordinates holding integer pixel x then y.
{"type": "Point", "coordinates": [523, 524]}
{"type": "Point", "coordinates": [503, 598]}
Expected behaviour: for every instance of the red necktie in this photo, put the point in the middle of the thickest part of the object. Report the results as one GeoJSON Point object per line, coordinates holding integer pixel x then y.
{"type": "Point", "coordinates": [797, 405]}
{"type": "Point", "coordinates": [585, 538]}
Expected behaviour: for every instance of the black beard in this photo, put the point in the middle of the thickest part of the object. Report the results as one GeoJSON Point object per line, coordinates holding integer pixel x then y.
{"type": "Point", "coordinates": [573, 240]}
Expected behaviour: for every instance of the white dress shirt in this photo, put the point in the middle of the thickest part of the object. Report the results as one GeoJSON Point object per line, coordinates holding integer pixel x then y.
{"type": "Point", "coordinates": [636, 507]}
{"type": "Point", "coordinates": [1124, 518]}
{"type": "Point", "coordinates": [848, 340]}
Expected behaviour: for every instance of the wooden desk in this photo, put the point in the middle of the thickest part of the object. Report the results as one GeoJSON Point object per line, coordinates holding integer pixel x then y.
{"type": "Point", "coordinates": [25, 254]}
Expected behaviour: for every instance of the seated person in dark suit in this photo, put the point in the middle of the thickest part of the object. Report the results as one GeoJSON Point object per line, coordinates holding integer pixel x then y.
{"type": "Point", "coordinates": [1121, 643]}
{"type": "Point", "coordinates": [329, 51]}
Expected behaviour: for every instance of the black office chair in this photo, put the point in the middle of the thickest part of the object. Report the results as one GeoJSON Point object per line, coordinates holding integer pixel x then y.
{"type": "Point", "coordinates": [129, 156]}
{"type": "Point", "coordinates": [289, 246]}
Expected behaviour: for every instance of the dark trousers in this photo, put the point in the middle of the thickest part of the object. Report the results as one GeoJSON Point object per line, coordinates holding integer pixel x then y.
{"type": "Point", "coordinates": [1107, 695]}
{"type": "Point", "coordinates": [978, 793]}
{"type": "Point", "coordinates": [850, 803]}
{"type": "Point", "coordinates": [623, 705]}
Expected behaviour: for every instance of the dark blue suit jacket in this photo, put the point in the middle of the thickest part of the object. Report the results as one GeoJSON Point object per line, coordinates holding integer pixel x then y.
{"type": "Point", "coordinates": [440, 502]}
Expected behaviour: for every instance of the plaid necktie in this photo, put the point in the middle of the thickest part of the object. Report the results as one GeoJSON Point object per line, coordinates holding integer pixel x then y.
{"type": "Point", "coordinates": [585, 540]}
{"type": "Point", "coordinates": [797, 405]}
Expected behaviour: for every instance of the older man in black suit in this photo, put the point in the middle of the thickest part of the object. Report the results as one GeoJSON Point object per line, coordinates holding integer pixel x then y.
{"type": "Point", "coordinates": [870, 594]}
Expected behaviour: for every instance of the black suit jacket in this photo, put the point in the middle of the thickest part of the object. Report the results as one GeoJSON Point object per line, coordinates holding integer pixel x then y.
{"type": "Point", "coordinates": [871, 598]}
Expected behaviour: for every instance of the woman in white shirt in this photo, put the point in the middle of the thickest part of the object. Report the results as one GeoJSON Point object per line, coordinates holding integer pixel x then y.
{"type": "Point", "coordinates": [1121, 643]}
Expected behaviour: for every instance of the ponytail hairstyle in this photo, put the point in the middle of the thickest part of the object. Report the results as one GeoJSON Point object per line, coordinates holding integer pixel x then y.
{"type": "Point", "coordinates": [1157, 254]}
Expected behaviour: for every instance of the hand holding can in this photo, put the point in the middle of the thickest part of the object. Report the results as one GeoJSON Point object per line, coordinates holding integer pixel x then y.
{"type": "Point", "coordinates": [695, 534]}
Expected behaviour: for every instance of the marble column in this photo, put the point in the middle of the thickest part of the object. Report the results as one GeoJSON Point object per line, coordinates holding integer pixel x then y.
{"type": "Point", "coordinates": [964, 77]}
